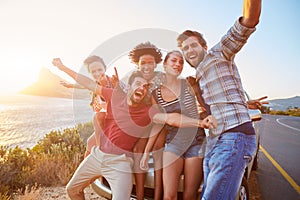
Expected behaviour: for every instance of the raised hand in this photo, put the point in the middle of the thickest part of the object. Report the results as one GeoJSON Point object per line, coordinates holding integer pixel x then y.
{"type": "Point", "coordinates": [257, 103]}
{"type": "Point", "coordinates": [115, 78]}
{"type": "Point", "coordinates": [58, 63]}
{"type": "Point", "coordinates": [66, 84]}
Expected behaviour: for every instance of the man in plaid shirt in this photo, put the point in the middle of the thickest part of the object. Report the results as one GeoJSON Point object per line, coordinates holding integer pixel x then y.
{"type": "Point", "coordinates": [223, 96]}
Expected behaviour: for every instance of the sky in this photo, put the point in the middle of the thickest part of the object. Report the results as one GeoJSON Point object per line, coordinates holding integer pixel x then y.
{"type": "Point", "coordinates": [33, 32]}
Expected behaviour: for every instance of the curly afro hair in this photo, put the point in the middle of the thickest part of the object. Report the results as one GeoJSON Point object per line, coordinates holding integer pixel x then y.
{"type": "Point", "coordinates": [145, 49]}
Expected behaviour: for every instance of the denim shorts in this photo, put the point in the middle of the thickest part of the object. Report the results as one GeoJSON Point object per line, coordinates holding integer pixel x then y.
{"type": "Point", "coordinates": [192, 151]}
{"type": "Point", "coordinates": [224, 165]}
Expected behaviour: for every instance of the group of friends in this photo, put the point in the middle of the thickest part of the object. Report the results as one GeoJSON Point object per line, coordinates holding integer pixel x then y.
{"type": "Point", "coordinates": [158, 112]}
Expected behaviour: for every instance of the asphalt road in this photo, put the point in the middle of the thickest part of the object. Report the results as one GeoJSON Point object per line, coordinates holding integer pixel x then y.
{"type": "Point", "coordinates": [278, 174]}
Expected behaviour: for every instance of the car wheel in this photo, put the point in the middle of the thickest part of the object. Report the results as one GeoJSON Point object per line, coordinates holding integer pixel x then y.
{"type": "Point", "coordinates": [243, 193]}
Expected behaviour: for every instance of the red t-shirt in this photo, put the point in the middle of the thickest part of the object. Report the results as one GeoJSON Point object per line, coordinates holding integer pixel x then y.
{"type": "Point", "coordinates": [124, 124]}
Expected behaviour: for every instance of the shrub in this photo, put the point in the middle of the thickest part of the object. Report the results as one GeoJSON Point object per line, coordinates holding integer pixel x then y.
{"type": "Point", "coordinates": [13, 170]}
{"type": "Point", "coordinates": [51, 162]}
{"type": "Point", "coordinates": [30, 193]}
{"type": "Point", "coordinates": [59, 154]}
{"type": "Point", "coordinates": [290, 111]}
{"type": "Point", "coordinates": [5, 196]}
{"type": "Point", "coordinates": [85, 130]}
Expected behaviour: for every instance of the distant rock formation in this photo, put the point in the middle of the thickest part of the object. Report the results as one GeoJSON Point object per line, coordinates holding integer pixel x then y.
{"type": "Point", "coordinates": [48, 84]}
{"type": "Point", "coordinates": [283, 104]}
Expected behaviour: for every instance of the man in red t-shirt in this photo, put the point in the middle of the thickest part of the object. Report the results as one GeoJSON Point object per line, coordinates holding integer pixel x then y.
{"type": "Point", "coordinates": [128, 118]}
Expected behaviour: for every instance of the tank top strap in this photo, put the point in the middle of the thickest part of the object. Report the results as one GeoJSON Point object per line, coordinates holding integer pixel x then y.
{"type": "Point", "coordinates": [156, 93]}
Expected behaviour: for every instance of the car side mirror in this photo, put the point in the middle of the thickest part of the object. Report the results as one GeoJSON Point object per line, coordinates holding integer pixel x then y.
{"type": "Point", "coordinates": [255, 114]}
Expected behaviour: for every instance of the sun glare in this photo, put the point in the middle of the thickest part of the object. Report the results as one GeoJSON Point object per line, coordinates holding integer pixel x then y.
{"type": "Point", "coordinates": [17, 78]}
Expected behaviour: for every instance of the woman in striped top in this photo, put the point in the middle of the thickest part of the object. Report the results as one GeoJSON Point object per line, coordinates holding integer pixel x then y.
{"type": "Point", "coordinates": [182, 144]}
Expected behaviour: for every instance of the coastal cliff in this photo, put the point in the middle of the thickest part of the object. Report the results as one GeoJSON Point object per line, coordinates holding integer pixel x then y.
{"type": "Point", "coordinates": [48, 84]}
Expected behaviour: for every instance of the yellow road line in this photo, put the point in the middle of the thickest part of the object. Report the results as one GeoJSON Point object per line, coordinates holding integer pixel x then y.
{"type": "Point", "coordinates": [281, 170]}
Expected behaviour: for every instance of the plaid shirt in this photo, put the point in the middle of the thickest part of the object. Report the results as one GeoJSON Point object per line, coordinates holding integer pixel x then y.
{"type": "Point", "coordinates": [220, 81]}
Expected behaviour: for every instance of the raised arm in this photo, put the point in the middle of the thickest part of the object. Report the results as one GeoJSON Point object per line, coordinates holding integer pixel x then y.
{"type": "Point", "coordinates": [251, 13]}
{"type": "Point", "coordinates": [79, 78]}
{"type": "Point", "coordinates": [179, 120]}
{"type": "Point", "coordinates": [71, 85]}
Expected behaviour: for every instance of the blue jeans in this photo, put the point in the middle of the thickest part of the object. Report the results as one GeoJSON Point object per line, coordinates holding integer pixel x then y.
{"type": "Point", "coordinates": [225, 164]}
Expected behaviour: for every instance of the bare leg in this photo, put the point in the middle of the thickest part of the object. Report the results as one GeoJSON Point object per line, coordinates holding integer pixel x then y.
{"type": "Point", "coordinates": [171, 174]}
{"type": "Point", "coordinates": [91, 141]}
{"type": "Point", "coordinates": [158, 168]}
{"type": "Point", "coordinates": [138, 173]}
{"type": "Point", "coordinates": [193, 174]}
{"type": "Point", "coordinates": [98, 122]}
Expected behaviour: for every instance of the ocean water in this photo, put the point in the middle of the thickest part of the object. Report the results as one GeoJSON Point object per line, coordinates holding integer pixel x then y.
{"type": "Point", "coordinates": [25, 119]}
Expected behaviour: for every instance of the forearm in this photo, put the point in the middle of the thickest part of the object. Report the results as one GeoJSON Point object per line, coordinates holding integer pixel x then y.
{"type": "Point", "coordinates": [153, 137]}
{"type": "Point", "coordinates": [251, 13]}
{"type": "Point", "coordinates": [98, 131]}
{"type": "Point", "coordinates": [176, 119]}
{"type": "Point", "coordinates": [78, 86]}
{"type": "Point", "coordinates": [97, 137]}
{"type": "Point", "coordinates": [71, 85]}
{"type": "Point", "coordinates": [150, 144]}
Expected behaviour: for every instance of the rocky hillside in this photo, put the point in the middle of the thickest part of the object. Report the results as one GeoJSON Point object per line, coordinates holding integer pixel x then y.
{"type": "Point", "coordinates": [48, 84]}
{"type": "Point", "coordinates": [283, 104]}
